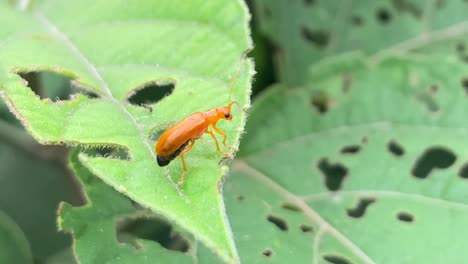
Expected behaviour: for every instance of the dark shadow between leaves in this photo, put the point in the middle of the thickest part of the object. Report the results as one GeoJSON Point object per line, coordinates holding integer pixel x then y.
{"type": "Point", "coordinates": [129, 229]}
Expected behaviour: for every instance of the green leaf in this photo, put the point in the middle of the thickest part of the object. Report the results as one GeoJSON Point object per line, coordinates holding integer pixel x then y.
{"type": "Point", "coordinates": [36, 173]}
{"type": "Point", "coordinates": [113, 49]}
{"type": "Point", "coordinates": [94, 226]}
{"type": "Point", "coordinates": [321, 29]}
{"type": "Point", "coordinates": [14, 247]}
{"type": "Point", "coordinates": [378, 175]}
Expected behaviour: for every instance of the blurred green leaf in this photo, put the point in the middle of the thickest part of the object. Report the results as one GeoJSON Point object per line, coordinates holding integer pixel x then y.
{"type": "Point", "coordinates": [14, 247]}
{"type": "Point", "coordinates": [32, 183]}
{"type": "Point", "coordinates": [113, 50]}
{"type": "Point", "coordinates": [378, 175]}
{"type": "Point", "coordinates": [306, 31]}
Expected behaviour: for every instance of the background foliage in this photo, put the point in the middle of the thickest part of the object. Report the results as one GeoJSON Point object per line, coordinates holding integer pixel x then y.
{"type": "Point", "coordinates": [354, 150]}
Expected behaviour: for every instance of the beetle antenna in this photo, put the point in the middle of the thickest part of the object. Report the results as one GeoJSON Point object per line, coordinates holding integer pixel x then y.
{"type": "Point", "coordinates": [234, 80]}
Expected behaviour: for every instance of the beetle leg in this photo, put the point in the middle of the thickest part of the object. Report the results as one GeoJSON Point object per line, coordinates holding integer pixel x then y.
{"type": "Point", "coordinates": [224, 136]}
{"type": "Point", "coordinates": [184, 165]}
{"type": "Point", "coordinates": [217, 144]}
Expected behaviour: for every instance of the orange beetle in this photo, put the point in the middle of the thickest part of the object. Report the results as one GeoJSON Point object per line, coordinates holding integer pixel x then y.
{"type": "Point", "coordinates": [179, 139]}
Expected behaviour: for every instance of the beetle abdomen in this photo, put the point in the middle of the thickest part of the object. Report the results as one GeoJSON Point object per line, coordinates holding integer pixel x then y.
{"type": "Point", "coordinates": [164, 160]}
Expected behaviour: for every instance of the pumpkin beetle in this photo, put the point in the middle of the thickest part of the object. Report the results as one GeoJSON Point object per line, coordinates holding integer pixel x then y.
{"type": "Point", "coordinates": [179, 139]}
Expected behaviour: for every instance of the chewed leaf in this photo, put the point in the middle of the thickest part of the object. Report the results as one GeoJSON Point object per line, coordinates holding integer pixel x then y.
{"type": "Point", "coordinates": [364, 182]}
{"type": "Point", "coordinates": [112, 51]}
{"type": "Point", "coordinates": [94, 226]}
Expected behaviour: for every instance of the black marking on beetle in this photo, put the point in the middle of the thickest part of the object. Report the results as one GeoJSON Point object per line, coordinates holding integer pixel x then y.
{"type": "Point", "coordinates": [360, 208]}
{"type": "Point", "coordinates": [405, 217]}
{"type": "Point", "coordinates": [163, 161]}
{"type": "Point", "coordinates": [433, 158]}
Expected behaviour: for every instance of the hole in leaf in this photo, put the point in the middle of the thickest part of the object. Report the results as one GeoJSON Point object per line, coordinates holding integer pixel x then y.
{"type": "Point", "coordinates": [129, 230]}
{"type": "Point", "coordinates": [320, 102]}
{"type": "Point", "coordinates": [407, 6]}
{"type": "Point", "coordinates": [278, 222]}
{"type": "Point", "coordinates": [317, 37]}
{"type": "Point", "coordinates": [433, 88]}
{"type": "Point", "coordinates": [291, 207]}
{"type": "Point", "coordinates": [240, 198]}
{"type": "Point", "coordinates": [335, 259]}
{"type": "Point", "coordinates": [107, 151]}
{"type": "Point", "coordinates": [357, 20]}
{"type": "Point", "coordinates": [306, 228]}
{"type": "Point", "coordinates": [433, 158]}
{"type": "Point", "coordinates": [150, 93]}
{"type": "Point", "coordinates": [383, 16]}
{"type": "Point", "coordinates": [464, 84]}
{"type": "Point", "coordinates": [405, 217]}
{"type": "Point", "coordinates": [463, 172]}
{"type": "Point", "coordinates": [353, 149]}
{"type": "Point", "coordinates": [267, 253]}
{"type": "Point", "coordinates": [395, 148]}
{"type": "Point", "coordinates": [360, 208]}
{"type": "Point", "coordinates": [334, 174]}
{"type": "Point", "coordinates": [429, 102]}
{"type": "Point", "coordinates": [48, 84]}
